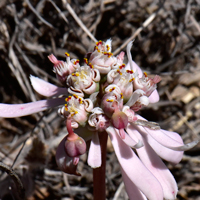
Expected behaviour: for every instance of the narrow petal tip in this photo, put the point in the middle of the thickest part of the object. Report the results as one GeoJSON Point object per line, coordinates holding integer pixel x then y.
{"type": "Point", "coordinates": [139, 144]}
{"type": "Point", "coordinates": [187, 146]}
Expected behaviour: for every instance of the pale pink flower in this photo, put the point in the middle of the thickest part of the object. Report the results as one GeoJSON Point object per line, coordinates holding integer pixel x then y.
{"type": "Point", "coordinates": [94, 106]}
{"type": "Point", "coordinates": [78, 109]}
{"type": "Point", "coordinates": [102, 58]}
{"type": "Point", "coordinates": [84, 80]}
{"type": "Point", "coordinates": [63, 69]}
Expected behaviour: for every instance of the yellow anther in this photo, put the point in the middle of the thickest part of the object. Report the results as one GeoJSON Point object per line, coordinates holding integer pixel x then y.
{"type": "Point", "coordinates": [122, 96]}
{"type": "Point", "coordinates": [145, 74]}
{"type": "Point", "coordinates": [112, 89]}
{"type": "Point", "coordinates": [99, 42]}
{"type": "Point", "coordinates": [108, 48]}
{"type": "Point", "coordinates": [75, 74]}
{"type": "Point", "coordinates": [80, 101]}
{"type": "Point", "coordinates": [68, 98]}
{"type": "Point", "coordinates": [131, 80]}
{"type": "Point", "coordinates": [129, 71]}
{"type": "Point", "coordinates": [109, 100]}
{"type": "Point", "coordinates": [122, 66]}
{"type": "Point", "coordinates": [73, 112]}
{"type": "Point", "coordinates": [86, 60]}
{"type": "Point", "coordinates": [76, 62]}
{"type": "Point", "coordinates": [67, 54]}
{"type": "Point", "coordinates": [119, 72]}
{"type": "Point", "coordinates": [91, 66]}
{"type": "Point", "coordinates": [110, 54]}
{"type": "Point", "coordinates": [74, 95]}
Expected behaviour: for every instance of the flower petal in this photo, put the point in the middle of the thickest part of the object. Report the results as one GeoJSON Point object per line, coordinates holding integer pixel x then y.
{"type": "Point", "coordinates": [46, 89]}
{"type": "Point", "coordinates": [169, 142]}
{"type": "Point", "coordinates": [136, 68]}
{"type": "Point", "coordinates": [165, 153]}
{"type": "Point", "coordinates": [64, 162]}
{"type": "Point", "coordinates": [154, 97]}
{"type": "Point", "coordinates": [157, 168]}
{"type": "Point", "coordinates": [130, 141]}
{"type": "Point", "coordinates": [134, 97]}
{"type": "Point", "coordinates": [135, 170]}
{"type": "Point", "coordinates": [133, 192]}
{"type": "Point", "coordinates": [94, 156]}
{"type": "Point", "coordinates": [19, 110]}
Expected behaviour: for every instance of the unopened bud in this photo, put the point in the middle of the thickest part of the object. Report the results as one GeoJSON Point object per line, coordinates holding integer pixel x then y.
{"type": "Point", "coordinates": [119, 119]}
{"type": "Point", "coordinates": [76, 147]}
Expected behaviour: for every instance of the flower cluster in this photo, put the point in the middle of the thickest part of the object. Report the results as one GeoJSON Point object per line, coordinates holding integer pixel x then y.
{"type": "Point", "coordinates": [102, 96]}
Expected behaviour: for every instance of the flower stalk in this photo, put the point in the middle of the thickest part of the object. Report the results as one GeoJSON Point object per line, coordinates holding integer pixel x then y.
{"type": "Point", "coordinates": [99, 184]}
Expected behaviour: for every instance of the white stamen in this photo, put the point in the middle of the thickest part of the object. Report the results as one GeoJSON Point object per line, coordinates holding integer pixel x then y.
{"type": "Point", "coordinates": [135, 96]}
{"type": "Point", "coordinates": [128, 50]}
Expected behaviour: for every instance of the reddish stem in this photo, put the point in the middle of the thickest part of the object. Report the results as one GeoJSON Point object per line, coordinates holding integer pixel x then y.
{"type": "Point", "coordinates": [71, 135]}
{"type": "Point", "coordinates": [99, 174]}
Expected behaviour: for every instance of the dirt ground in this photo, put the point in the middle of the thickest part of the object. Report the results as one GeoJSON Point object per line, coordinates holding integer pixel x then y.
{"type": "Point", "coordinates": [167, 44]}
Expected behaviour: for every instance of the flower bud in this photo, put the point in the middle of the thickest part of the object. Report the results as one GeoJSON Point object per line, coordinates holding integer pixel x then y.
{"type": "Point", "coordinates": [119, 119]}
{"type": "Point", "coordinates": [74, 145]}
{"type": "Point", "coordinates": [65, 163]}
{"type": "Point", "coordinates": [75, 148]}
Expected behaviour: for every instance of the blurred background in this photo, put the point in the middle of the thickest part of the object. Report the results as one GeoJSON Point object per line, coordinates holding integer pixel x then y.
{"type": "Point", "coordinates": [169, 46]}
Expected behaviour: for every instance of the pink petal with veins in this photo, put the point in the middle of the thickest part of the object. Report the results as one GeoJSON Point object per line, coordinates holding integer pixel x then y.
{"type": "Point", "coordinates": [46, 89]}
{"type": "Point", "coordinates": [19, 110]}
{"type": "Point", "coordinates": [169, 142]}
{"type": "Point", "coordinates": [134, 168]}
{"type": "Point", "coordinates": [157, 168]}
{"type": "Point", "coordinates": [94, 156]}
{"type": "Point", "coordinates": [164, 152]}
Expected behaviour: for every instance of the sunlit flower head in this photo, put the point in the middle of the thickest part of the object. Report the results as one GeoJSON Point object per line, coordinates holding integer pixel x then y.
{"type": "Point", "coordinates": [102, 96]}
